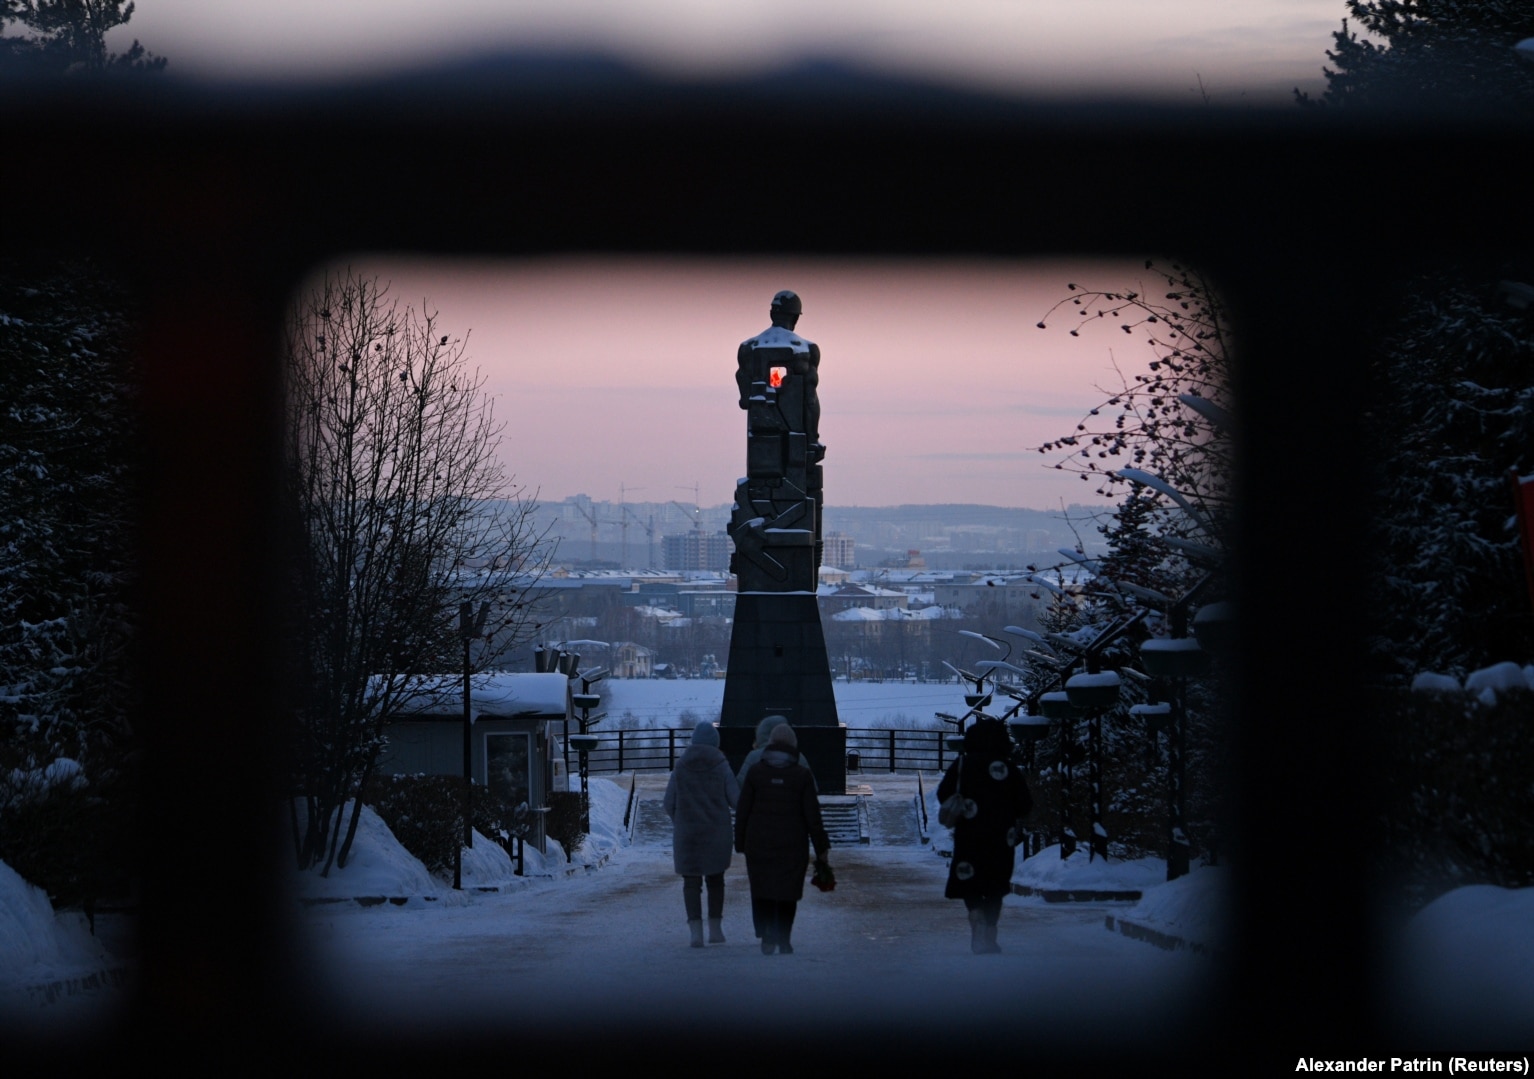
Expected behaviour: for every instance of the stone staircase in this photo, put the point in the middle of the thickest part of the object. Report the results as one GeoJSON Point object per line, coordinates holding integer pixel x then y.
{"type": "Point", "coordinates": [846, 819]}
{"type": "Point", "coordinates": [861, 817]}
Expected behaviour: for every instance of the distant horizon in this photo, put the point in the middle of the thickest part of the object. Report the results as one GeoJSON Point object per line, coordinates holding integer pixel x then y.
{"type": "Point", "coordinates": [614, 376]}
{"type": "Point", "coordinates": [726, 504]}
{"type": "Point", "coordinates": [1248, 55]}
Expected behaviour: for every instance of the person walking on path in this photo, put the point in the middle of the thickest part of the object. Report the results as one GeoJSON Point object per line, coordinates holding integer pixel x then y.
{"type": "Point", "coordinates": [699, 796]}
{"type": "Point", "coordinates": [764, 731]}
{"type": "Point", "coordinates": [776, 821]}
{"type": "Point", "coordinates": [996, 800]}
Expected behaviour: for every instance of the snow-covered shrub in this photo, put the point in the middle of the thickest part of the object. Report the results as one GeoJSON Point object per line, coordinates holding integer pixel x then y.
{"type": "Point", "coordinates": [1458, 798]}
{"type": "Point", "coordinates": [425, 814]}
{"type": "Point", "coordinates": [563, 820]}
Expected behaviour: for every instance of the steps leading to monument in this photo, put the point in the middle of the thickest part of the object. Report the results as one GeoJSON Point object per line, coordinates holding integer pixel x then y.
{"type": "Point", "coordinates": [845, 818]}
{"type": "Point", "coordinates": [882, 816]}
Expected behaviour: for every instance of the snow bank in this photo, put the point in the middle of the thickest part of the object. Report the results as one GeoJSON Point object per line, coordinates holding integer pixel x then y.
{"type": "Point", "coordinates": [1464, 963]}
{"type": "Point", "coordinates": [1193, 909]}
{"type": "Point", "coordinates": [38, 947]}
{"type": "Point", "coordinates": [1487, 683]}
{"type": "Point", "coordinates": [1428, 682]}
{"type": "Point", "coordinates": [1047, 871]}
{"type": "Point", "coordinates": [608, 801]}
{"type": "Point", "coordinates": [379, 867]}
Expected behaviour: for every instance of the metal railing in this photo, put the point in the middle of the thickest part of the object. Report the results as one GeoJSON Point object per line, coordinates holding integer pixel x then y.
{"type": "Point", "coordinates": [656, 749]}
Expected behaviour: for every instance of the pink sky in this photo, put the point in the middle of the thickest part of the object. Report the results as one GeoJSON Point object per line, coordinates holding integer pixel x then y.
{"type": "Point", "coordinates": [935, 383]}
{"type": "Point", "coordinates": [1240, 52]}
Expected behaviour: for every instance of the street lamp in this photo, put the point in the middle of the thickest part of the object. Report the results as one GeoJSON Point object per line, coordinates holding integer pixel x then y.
{"type": "Point", "coordinates": [585, 741]}
{"type": "Point", "coordinates": [1094, 692]}
{"type": "Point", "coordinates": [1027, 732]}
{"type": "Point", "coordinates": [471, 626]}
{"type": "Point", "coordinates": [584, 744]}
{"type": "Point", "coordinates": [1178, 658]}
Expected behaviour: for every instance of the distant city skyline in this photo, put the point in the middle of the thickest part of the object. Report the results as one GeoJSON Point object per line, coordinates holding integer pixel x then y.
{"type": "Point", "coordinates": [615, 377]}
{"type": "Point", "coordinates": [1253, 53]}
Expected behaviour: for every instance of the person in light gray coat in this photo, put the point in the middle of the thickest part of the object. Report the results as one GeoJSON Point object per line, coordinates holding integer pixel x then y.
{"type": "Point", "coordinates": [764, 731]}
{"type": "Point", "coordinates": [699, 797]}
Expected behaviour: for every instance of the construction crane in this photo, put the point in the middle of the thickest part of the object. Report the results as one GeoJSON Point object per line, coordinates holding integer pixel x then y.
{"type": "Point", "coordinates": [649, 529]}
{"type": "Point", "coordinates": [592, 517]}
{"type": "Point", "coordinates": [623, 524]}
{"type": "Point", "coordinates": [696, 512]}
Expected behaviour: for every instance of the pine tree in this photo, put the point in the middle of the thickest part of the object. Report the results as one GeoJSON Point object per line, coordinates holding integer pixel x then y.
{"type": "Point", "coordinates": [1432, 56]}
{"type": "Point", "coordinates": [67, 36]}
{"type": "Point", "coordinates": [67, 472]}
{"type": "Point", "coordinates": [1454, 385]}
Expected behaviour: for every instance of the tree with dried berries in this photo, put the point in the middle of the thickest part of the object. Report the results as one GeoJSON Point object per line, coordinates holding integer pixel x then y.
{"type": "Point", "coordinates": [403, 513]}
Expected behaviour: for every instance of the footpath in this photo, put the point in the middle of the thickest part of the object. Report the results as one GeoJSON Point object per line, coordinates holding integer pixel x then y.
{"type": "Point", "coordinates": [884, 811]}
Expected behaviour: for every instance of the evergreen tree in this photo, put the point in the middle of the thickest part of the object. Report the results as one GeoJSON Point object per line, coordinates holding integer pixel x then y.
{"type": "Point", "coordinates": [67, 36]}
{"type": "Point", "coordinates": [1432, 56]}
{"type": "Point", "coordinates": [1454, 386]}
{"type": "Point", "coordinates": [67, 471]}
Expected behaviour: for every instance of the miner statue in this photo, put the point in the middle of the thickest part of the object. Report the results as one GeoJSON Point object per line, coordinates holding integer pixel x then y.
{"type": "Point", "coordinates": [778, 663]}
{"type": "Point", "coordinates": [778, 373]}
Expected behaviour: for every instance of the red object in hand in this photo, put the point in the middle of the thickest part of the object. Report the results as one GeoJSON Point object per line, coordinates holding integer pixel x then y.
{"type": "Point", "coordinates": [823, 878]}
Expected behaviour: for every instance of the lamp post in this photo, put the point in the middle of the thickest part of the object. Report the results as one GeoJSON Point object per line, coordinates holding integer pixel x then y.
{"type": "Point", "coordinates": [584, 744]}
{"type": "Point", "coordinates": [1027, 732]}
{"type": "Point", "coordinates": [1094, 692]}
{"type": "Point", "coordinates": [585, 741]}
{"type": "Point", "coordinates": [1178, 658]}
{"type": "Point", "coordinates": [1056, 705]}
{"type": "Point", "coordinates": [1090, 693]}
{"type": "Point", "coordinates": [470, 626]}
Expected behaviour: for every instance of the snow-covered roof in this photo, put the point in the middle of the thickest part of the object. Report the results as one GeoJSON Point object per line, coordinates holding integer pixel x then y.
{"type": "Point", "coordinates": [499, 694]}
{"type": "Point", "coordinates": [890, 614]}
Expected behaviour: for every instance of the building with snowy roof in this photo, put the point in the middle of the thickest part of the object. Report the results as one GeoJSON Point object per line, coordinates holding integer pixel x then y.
{"type": "Point", "coordinates": [514, 752]}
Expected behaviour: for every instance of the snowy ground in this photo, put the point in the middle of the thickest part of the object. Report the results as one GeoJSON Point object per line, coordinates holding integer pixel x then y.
{"type": "Point", "coordinates": [599, 939]}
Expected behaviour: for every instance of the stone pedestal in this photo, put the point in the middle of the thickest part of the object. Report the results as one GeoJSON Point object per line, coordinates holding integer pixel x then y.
{"type": "Point", "coordinates": [824, 747]}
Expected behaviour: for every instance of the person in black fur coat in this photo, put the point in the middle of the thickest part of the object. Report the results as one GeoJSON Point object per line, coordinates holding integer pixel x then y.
{"type": "Point", "coordinates": [996, 800]}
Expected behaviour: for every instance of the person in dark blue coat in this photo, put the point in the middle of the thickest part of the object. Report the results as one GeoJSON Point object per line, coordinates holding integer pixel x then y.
{"type": "Point", "coordinates": [996, 800]}
{"type": "Point", "coordinates": [776, 820]}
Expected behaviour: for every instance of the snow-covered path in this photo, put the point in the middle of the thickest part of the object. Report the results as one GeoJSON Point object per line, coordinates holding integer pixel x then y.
{"type": "Point", "coordinates": [883, 951]}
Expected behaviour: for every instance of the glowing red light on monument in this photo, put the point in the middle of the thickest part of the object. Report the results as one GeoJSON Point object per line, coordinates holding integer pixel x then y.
{"type": "Point", "coordinates": [776, 375]}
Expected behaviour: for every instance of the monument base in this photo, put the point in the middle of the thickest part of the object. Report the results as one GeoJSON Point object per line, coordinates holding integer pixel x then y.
{"type": "Point", "coordinates": [824, 747]}
{"type": "Point", "coordinates": [778, 666]}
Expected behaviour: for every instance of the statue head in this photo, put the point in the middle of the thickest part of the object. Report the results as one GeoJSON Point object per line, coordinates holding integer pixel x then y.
{"type": "Point", "coordinates": [786, 309]}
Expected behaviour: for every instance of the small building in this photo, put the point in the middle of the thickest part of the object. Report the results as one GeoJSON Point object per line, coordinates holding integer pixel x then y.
{"type": "Point", "coordinates": [866, 596]}
{"type": "Point", "coordinates": [630, 660]}
{"type": "Point", "coordinates": [697, 550]}
{"type": "Point", "coordinates": [513, 751]}
{"type": "Point", "coordinates": [839, 551]}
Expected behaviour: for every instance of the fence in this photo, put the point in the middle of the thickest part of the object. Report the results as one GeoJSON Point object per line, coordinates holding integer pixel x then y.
{"type": "Point", "coordinates": [656, 749]}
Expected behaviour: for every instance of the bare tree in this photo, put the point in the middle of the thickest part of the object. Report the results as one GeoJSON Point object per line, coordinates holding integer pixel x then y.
{"type": "Point", "coordinates": [1170, 421]}
{"type": "Point", "coordinates": [404, 513]}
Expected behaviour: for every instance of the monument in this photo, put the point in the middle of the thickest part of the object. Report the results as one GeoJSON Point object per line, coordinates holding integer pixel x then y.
{"type": "Point", "coordinates": [778, 663]}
